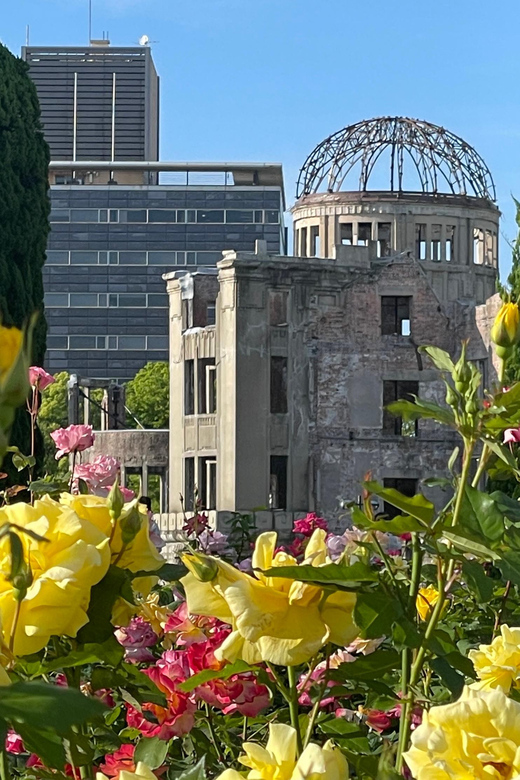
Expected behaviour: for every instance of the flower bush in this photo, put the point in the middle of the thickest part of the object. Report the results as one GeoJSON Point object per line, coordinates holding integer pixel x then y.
{"type": "Point", "coordinates": [389, 650]}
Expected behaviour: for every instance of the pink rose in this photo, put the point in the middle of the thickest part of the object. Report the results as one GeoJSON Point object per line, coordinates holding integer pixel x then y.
{"type": "Point", "coordinates": [75, 438]}
{"type": "Point", "coordinates": [136, 638]}
{"type": "Point", "coordinates": [121, 759]}
{"type": "Point", "coordinates": [39, 378]}
{"type": "Point", "coordinates": [378, 720]}
{"type": "Point", "coordinates": [512, 436]}
{"type": "Point", "coordinates": [307, 525]}
{"type": "Point", "coordinates": [14, 743]}
{"type": "Point", "coordinates": [99, 473]}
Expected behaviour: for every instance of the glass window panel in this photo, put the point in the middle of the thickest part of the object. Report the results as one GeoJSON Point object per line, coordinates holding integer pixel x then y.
{"type": "Point", "coordinates": [157, 342]}
{"type": "Point", "coordinates": [239, 216]}
{"type": "Point", "coordinates": [57, 342]}
{"type": "Point", "coordinates": [161, 258]}
{"type": "Point", "coordinates": [59, 215]}
{"type": "Point", "coordinates": [102, 299]}
{"type": "Point", "coordinates": [259, 217]}
{"type": "Point", "coordinates": [213, 216]}
{"type": "Point", "coordinates": [83, 258]}
{"type": "Point", "coordinates": [57, 257]}
{"type": "Point", "coordinates": [132, 215]}
{"type": "Point", "coordinates": [112, 299]}
{"type": "Point", "coordinates": [103, 258]}
{"type": "Point", "coordinates": [101, 342]}
{"type": "Point", "coordinates": [132, 342]}
{"type": "Point", "coordinates": [136, 300]}
{"type": "Point", "coordinates": [181, 215]}
{"type": "Point", "coordinates": [83, 299]}
{"type": "Point", "coordinates": [56, 299]}
{"type": "Point", "coordinates": [132, 258]}
{"type": "Point", "coordinates": [181, 258]}
{"type": "Point", "coordinates": [208, 258]}
{"type": "Point", "coordinates": [84, 215]}
{"type": "Point", "coordinates": [191, 215]}
{"type": "Point", "coordinates": [190, 258]}
{"type": "Point", "coordinates": [113, 258]}
{"type": "Point", "coordinates": [158, 300]}
{"type": "Point", "coordinates": [272, 216]}
{"type": "Point", "coordinates": [82, 342]}
{"type": "Point", "coordinates": [112, 342]}
{"type": "Point", "coordinates": [162, 215]}
{"type": "Point", "coordinates": [103, 215]}
{"type": "Point", "coordinates": [113, 215]}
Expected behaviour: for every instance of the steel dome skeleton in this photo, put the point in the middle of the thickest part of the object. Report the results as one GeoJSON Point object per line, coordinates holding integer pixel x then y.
{"type": "Point", "coordinates": [443, 162]}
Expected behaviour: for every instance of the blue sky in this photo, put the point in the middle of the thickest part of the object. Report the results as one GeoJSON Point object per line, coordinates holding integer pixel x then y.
{"type": "Point", "coordinates": [269, 79]}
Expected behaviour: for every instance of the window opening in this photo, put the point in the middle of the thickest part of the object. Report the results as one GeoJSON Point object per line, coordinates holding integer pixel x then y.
{"type": "Point", "coordinates": [395, 315]}
{"type": "Point", "coordinates": [435, 243]}
{"type": "Point", "coordinates": [189, 387]}
{"type": "Point", "coordinates": [345, 232]}
{"type": "Point", "coordinates": [364, 233]}
{"type": "Point", "coordinates": [420, 241]}
{"type": "Point", "coordinates": [384, 230]}
{"type": "Point", "coordinates": [207, 390]}
{"type": "Point", "coordinates": [189, 483]}
{"type": "Point", "coordinates": [450, 238]}
{"type": "Point", "coordinates": [303, 242]}
{"type": "Point", "coordinates": [315, 241]}
{"type": "Point", "coordinates": [405, 485]}
{"type": "Point", "coordinates": [478, 246]}
{"type": "Point", "coordinates": [208, 482]}
{"type": "Point", "coordinates": [278, 482]}
{"type": "Point", "coordinates": [277, 307]}
{"type": "Point", "coordinates": [211, 313]}
{"type": "Point", "coordinates": [396, 391]}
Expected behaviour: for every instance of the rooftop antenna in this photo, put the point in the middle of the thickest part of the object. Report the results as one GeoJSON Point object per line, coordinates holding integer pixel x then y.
{"type": "Point", "coordinates": [27, 35]}
{"type": "Point", "coordinates": [89, 21]}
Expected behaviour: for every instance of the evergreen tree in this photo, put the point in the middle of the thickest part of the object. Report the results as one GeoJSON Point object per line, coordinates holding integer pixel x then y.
{"type": "Point", "coordinates": [513, 280]}
{"type": "Point", "coordinates": [148, 396]}
{"type": "Point", "coordinates": [24, 211]}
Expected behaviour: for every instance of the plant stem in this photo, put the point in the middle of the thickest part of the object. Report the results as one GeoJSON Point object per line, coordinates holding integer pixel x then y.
{"type": "Point", "coordinates": [502, 607]}
{"type": "Point", "coordinates": [212, 734]}
{"type": "Point", "coordinates": [482, 463]}
{"type": "Point", "coordinates": [293, 707]}
{"type": "Point", "coordinates": [15, 624]}
{"type": "Point", "coordinates": [281, 687]}
{"type": "Point", "coordinates": [316, 707]}
{"type": "Point", "coordinates": [4, 766]}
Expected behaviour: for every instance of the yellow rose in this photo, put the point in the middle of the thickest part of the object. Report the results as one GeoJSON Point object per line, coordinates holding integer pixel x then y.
{"type": "Point", "coordinates": [498, 665]}
{"type": "Point", "coordinates": [11, 343]}
{"type": "Point", "coordinates": [64, 569]}
{"type": "Point", "coordinates": [277, 761]}
{"type": "Point", "coordinates": [426, 600]}
{"type": "Point", "coordinates": [142, 772]}
{"type": "Point", "coordinates": [505, 332]}
{"type": "Point", "coordinates": [140, 555]}
{"type": "Point", "coordinates": [477, 736]}
{"type": "Point", "coordinates": [14, 375]}
{"type": "Point", "coordinates": [274, 619]}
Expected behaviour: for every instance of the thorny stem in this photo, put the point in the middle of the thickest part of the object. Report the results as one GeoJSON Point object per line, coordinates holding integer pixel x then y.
{"type": "Point", "coordinates": [502, 607]}
{"type": "Point", "coordinates": [482, 463]}
{"type": "Point", "coordinates": [384, 558]}
{"type": "Point", "coordinates": [293, 707]}
{"type": "Point", "coordinates": [120, 554]}
{"type": "Point", "coordinates": [4, 766]}
{"type": "Point", "coordinates": [15, 624]}
{"type": "Point", "coordinates": [316, 708]}
{"type": "Point", "coordinates": [74, 454]}
{"type": "Point", "coordinates": [281, 687]}
{"type": "Point", "coordinates": [212, 734]}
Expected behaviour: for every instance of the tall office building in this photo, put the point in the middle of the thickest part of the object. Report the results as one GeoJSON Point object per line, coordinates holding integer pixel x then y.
{"type": "Point", "coordinates": [120, 219]}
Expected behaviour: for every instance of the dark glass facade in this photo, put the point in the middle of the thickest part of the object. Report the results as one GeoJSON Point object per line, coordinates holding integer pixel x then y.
{"type": "Point", "coordinates": [106, 303]}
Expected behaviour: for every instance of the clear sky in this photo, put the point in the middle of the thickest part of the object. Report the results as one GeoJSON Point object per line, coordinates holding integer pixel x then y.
{"type": "Point", "coordinates": [268, 79]}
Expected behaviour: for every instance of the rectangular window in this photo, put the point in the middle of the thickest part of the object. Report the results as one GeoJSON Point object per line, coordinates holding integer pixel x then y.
{"type": "Point", "coordinates": [238, 217]}
{"type": "Point", "coordinates": [210, 216]}
{"type": "Point", "coordinates": [395, 315]}
{"type": "Point", "coordinates": [162, 215]}
{"type": "Point", "coordinates": [278, 482]}
{"type": "Point", "coordinates": [489, 248]}
{"type": "Point", "coordinates": [364, 233]}
{"type": "Point", "coordinates": [103, 215]}
{"type": "Point", "coordinates": [420, 241]}
{"type": "Point", "coordinates": [84, 299]}
{"type": "Point", "coordinates": [303, 242]}
{"type": "Point", "coordinates": [82, 342]}
{"type": "Point", "coordinates": [132, 215]}
{"type": "Point", "coordinates": [259, 217]}
{"type": "Point", "coordinates": [157, 342]}
{"type": "Point", "coordinates": [191, 215]}
{"type": "Point", "coordinates": [181, 215]}
{"type": "Point", "coordinates": [208, 482]}
{"type": "Point", "coordinates": [478, 246]}
{"type": "Point", "coordinates": [206, 386]}
{"type": "Point", "coordinates": [405, 485]}
{"type": "Point", "coordinates": [132, 300]}
{"type": "Point", "coordinates": [112, 299]}
{"type": "Point", "coordinates": [315, 241]}
{"type": "Point", "coordinates": [83, 258]}
{"type": "Point", "coordinates": [277, 307]}
{"type": "Point", "coordinates": [211, 313]}
{"type": "Point", "coordinates": [189, 483]}
{"type": "Point", "coordinates": [161, 258]}
{"type": "Point", "coordinates": [189, 387]}
{"type": "Point", "coordinates": [272, 216]}
{"type": "Point", "coordinates": [112, 342]}
{"type": "Point", "coordinates": [450, 238]}
{"type": "Point", "coordinates": [57, 257]}
{"type": "Point", "coordinates": [132, 258]}
{"type": "Point", "coordinates": [158, 300]}
{"type": "Point", "coordinates": [59, 215]}
{"type": "Point", "coordinates": [132, 342]}
{"type": "Point", "coordinates": [384, 231]}
{"type": "Point", "coordinates": [84, 215]}
{"type": "Point", "coordinates": [395, 391]}
{"type": "Point", "coordinates": [113, 258]}
{"type": "Point", "coordinates": [113, 215]}
{"type": "Point", "coordinates": [57, 342]}
{"type": "Point", "coordinates": [101, 342]}
{"type": "Point", "coordinates": [435, 243]}
{"type": "Point", "coordinates": [56, 300]}
{"type": "Point", "coordinates": [278, 403]}
{"type": "Point", "coordinates": [345, 233]}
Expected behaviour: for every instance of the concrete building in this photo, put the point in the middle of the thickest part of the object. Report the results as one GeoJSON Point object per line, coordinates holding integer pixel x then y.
{"type": "Point", "coordinates": [119, 217]}
{"type": "Point", "coordinates": [279, 405]}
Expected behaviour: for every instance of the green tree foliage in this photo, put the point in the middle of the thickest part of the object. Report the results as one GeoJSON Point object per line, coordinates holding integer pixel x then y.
{"type": "Point", "coordinates": [513, 364]}
{"type": "Point", "coordinates": [53, 414]}
{"type": "Point", "coordinates": [24, 211]}
{"type": "Point", "coordinates": [148, 396]}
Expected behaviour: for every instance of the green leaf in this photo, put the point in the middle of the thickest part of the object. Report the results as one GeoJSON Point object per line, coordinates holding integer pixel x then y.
{"type": "Point", "coordinates": [375, 612]}
{"type": "Point", "coordinates": [510, 566]}
{"type": "Point", "coordinates": [347, 733]}
{"type": "Point", "coordinates": [481, 515]}
{"type": "Point", "coordinates": [169, 572]}
{"type": "Point", "coordinates": [214, 674]}
{"type": "Point", "coordinates": [401, 524]}
{"type": "Point", "coordinates": [103, 596]}
{"type": "Point", "coordinates": [197, 772]}
{"type": "Point", "coordinates": [366, 667]}
{"type": "Point", "coordinates": [439, 358]}
{"type": "Point", "coordinates": [476, 580]}
{"type": "Point", "coordinates": [46, 744]}
{"type": "Point", "coordinates": [504, 453]}
{"type": "Point", "coordinates": [451, 678]}
{"type": "Point", "coordinates": [418, 506]}
{"type": "Point", "coordinates": [510, 507]}
{"type": "Point", "coordinates": [332, 574]}
{"type": "Point", "coordinates": [460, 539]}
{"type": "Point", "coordinates": [110, 653]}
{"type": "Point", "coordinates": [421, 409]}
{"type": "Point", "coordinates": [151, 752]}
{"type": "Point", "coordinates": [58, 708]}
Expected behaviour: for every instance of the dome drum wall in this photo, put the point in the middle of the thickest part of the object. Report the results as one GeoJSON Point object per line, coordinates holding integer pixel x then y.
{"type": "Point", "coordinates": [455, 237]}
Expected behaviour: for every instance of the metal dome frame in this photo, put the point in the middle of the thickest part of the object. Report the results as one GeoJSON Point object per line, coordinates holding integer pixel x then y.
{"type": "Point", "coordinates": [440, 158]}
